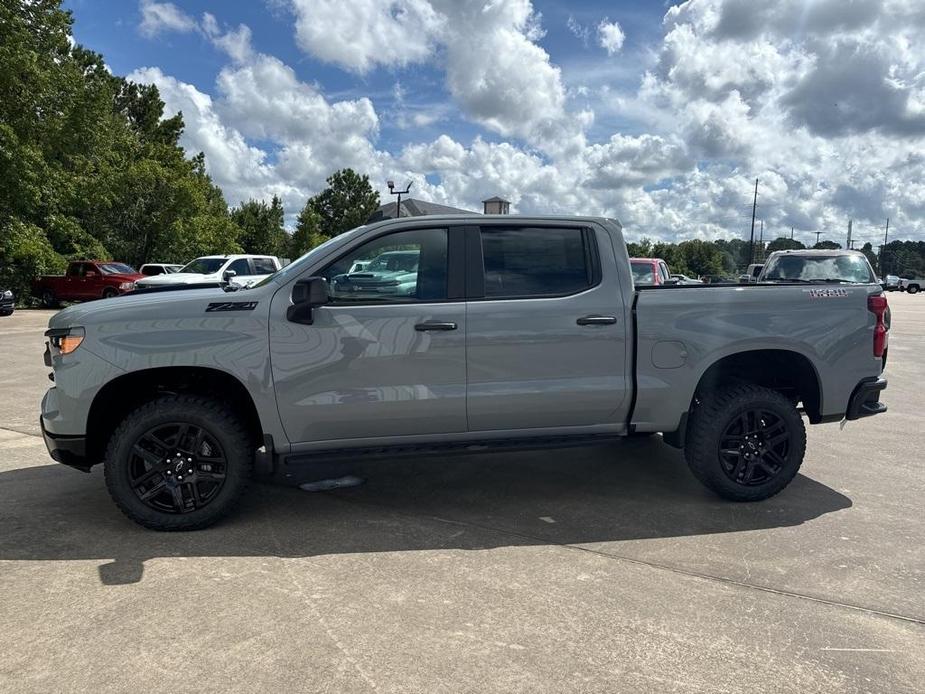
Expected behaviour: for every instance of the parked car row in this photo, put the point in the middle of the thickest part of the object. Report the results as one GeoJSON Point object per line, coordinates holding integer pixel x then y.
{"type": "Point", "coordinates": [792, 266]}
{"type": "Point", "coordinates": [98, 279]}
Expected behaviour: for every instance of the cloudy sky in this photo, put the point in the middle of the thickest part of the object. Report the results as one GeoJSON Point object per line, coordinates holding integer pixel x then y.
{"type": "Point", "coordinates": [660, 115]}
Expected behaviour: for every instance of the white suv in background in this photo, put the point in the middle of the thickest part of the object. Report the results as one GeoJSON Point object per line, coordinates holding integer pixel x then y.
{"type": "Point", "coordinates": [247, 270]}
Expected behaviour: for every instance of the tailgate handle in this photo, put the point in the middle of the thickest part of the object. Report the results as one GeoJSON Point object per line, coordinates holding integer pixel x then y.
{"type": "Point", "coordinates": [597, 320]}
{"type": "Point", "coordinates": [435, 325]}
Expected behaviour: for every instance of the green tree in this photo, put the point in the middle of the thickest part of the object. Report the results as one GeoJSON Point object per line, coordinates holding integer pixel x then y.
{"type": "Point", "coordinates": [783, 243]}
{"type": "Point", "coordinates": [89, 166]}
{"type": "Point", "coordinates": [347, 202]}
{"type": "Point", "coordinates": [702, 257]}
{"type": "Point", "coordinates": [640, 249]}
{"type": "Point", "coordinates": [261, 227]}
{"type": "Point", "coordinates": [868, 251]}
{"type": "Point", "coordinates": [827, 246]}
{"type": "Point", "coordinates": [307, 233]}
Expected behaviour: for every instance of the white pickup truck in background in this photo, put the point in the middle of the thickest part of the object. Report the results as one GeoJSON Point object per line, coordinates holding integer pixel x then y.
{"type": "Point", "coordinates": [913, 286]}
{"type": "Point", "coordinates": [247, 269]}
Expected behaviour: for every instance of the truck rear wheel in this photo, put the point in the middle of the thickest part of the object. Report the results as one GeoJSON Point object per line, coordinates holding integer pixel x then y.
{"type": "Point", "coordinates": [179, 462]}
{"type": "Point", "coordinates": [49, 300]}
{"type": "Point", "coordinates": [913, 289]}
{"type": "Point", "coordinates": [746, 443]}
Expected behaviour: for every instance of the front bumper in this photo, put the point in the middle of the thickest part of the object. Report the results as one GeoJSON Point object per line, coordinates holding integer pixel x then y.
{"type": "Point", "coordinates": [865, 400]}
{"type": "Point", "coordinates": [68, 450]}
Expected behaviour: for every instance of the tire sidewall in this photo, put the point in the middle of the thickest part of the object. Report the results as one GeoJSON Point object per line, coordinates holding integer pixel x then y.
{"type": "Point", "coordinates": [212, 417]}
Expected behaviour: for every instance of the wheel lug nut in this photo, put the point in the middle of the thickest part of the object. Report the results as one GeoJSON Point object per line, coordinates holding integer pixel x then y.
{"type": "Point", "coordinates": [180, 477]}
{"type": "Point", "coordinates": [190, 471]}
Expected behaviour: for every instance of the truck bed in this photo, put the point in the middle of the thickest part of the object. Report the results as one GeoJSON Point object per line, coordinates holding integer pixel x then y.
{"type": "Point", "coordinates": [681, 331]}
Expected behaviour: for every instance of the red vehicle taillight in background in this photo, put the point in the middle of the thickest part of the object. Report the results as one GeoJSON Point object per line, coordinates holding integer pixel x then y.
{"type": "Point", "coordinates": [878, 306]}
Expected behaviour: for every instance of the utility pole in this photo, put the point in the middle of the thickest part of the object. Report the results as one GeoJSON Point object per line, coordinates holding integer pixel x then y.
{"type": "Point", "coordinates": [751, 241]}
{"type": "Point", "coordinates": [791, 233]}
{"type": "Point", "coordinates": [850, 221]}
{"type": "Point", "coordinates": [886, 235]}
{"type": "Point", "coordinates": [761, 243]}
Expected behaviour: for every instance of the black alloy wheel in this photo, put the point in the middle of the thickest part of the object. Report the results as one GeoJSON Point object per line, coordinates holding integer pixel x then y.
{"type": "Point", "coordinates": [754, 447]}
{"type": "Point", "coordinates": [177, 467]}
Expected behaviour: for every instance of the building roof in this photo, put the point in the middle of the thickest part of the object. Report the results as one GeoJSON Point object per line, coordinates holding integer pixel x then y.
{"type": "Point", "coordinates": [413, 208]}
{"type": "Point", "coordinates": [496, 199]}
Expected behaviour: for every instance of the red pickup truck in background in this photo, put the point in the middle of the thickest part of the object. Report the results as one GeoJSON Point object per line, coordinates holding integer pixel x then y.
{"type": "Point", "coordinates": [86, 279]}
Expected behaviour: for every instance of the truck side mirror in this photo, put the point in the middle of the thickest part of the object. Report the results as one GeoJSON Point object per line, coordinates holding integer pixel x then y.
{"type": "Point", "coordinates": [228, 275]}
{"type": "Point", "coordinates": [306, 295]}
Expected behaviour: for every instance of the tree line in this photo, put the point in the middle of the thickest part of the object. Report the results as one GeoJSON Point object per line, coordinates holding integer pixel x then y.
{"type": "Point", "coordinates": [90, 168]}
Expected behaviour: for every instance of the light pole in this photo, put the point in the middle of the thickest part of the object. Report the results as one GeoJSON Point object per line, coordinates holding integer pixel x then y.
{"type": "Point", "coordinates": [399, 193]}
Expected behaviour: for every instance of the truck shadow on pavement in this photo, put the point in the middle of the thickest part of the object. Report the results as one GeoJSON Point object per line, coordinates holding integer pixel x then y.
{"type": "Point", "coordinates": [637, 489]}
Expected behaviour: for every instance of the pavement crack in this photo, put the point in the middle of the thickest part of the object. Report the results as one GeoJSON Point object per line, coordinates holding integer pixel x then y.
{"type": "Point", "coordinates": [651, 564]}
{"type": "Point", "coordinates": [13, 430]}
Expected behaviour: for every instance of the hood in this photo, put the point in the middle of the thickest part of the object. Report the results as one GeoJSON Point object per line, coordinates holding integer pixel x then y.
{"type": "Point", "coordinates": [125, 276]}
{"type": "Point", "coordinates": [154, 306]}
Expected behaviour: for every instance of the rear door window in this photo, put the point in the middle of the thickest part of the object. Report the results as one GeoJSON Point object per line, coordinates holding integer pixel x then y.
{"type": "Point", "coordinates": [530, 262]}
{"type": "Point", "coordinates": [263, 266]}
{"type": "Point", "coordinates": [240, 267]}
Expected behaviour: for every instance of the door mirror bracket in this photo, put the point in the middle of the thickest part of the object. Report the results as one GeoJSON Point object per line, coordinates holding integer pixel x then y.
{"type": "Point", "coordinates": [307, 294]}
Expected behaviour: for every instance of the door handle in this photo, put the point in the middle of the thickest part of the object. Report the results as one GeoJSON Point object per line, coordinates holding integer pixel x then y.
{"type": "Point", "coordinates": [434, 325]}
{"type": "Point", "coordinates": [597, 320]}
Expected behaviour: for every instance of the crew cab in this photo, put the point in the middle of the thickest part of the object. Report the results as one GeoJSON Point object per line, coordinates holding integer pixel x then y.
{"type": "Point", "coordinates": [85, 279]}
{"type": "Point", "coordinates": [521, 332]}
{"type": "Point", "coordinates": [215, 269]}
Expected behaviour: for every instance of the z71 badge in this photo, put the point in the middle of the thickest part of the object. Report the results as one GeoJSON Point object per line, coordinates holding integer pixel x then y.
{"type": "Point", "coordinates": [827, 293]}
{"type": "Point", "coordinates": [231, 306]}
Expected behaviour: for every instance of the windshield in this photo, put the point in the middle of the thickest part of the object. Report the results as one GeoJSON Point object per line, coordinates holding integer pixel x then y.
{"type": "Point", "coordinates": [314, 254]}
{"type": "Point", "coordinates": [642, 273]}
{"type": "Point", "coordinates": [116, 269]}
{"type": "Point", "coordinates": [204, 266]}
{"type": "Point", "coordinates": [818, 268]}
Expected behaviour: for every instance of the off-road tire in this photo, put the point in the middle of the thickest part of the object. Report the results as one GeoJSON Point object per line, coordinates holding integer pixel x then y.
{"type": "Point", "coordinates": [710, 419]}
{"type": "Point", "coordinates": [110, 292]}
{"type": "Point", "coordinates": [221, 423]}
{"type": "Point", "coordinates": [49, 300]}
{"type": "Point", "coordinates": [914, 289]}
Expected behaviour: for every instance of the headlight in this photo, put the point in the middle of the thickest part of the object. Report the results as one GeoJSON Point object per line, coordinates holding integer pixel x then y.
{"type": "Point", "coordinates": [7, 294]}
{"type": "Point", "coordinates": [65, 340]}
{"type": "Point", "coordinates": [127, 286]}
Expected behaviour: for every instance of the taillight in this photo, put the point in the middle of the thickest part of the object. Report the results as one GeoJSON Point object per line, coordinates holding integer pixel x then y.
{"type": "Point", "coordinates": [878, 306]}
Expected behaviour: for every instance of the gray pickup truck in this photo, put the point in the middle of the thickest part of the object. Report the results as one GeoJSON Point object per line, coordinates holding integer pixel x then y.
{"type": "Point", "coordinates": [520, 332]}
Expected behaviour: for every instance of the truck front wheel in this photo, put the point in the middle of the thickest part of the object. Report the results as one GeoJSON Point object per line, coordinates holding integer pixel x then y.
{"type": "Point", "coordinates": [49, 300]}
{"type": "Point", "coordinates": [179, 462]}
{"type": "Point", "coordinates": [913, 289]}
{"type": "Point", "coordinates": [746, 442]}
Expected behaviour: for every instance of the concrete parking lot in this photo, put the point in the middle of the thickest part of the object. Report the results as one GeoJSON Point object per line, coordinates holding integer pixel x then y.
{"type": "Point", "coordinates": [599, 569]}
